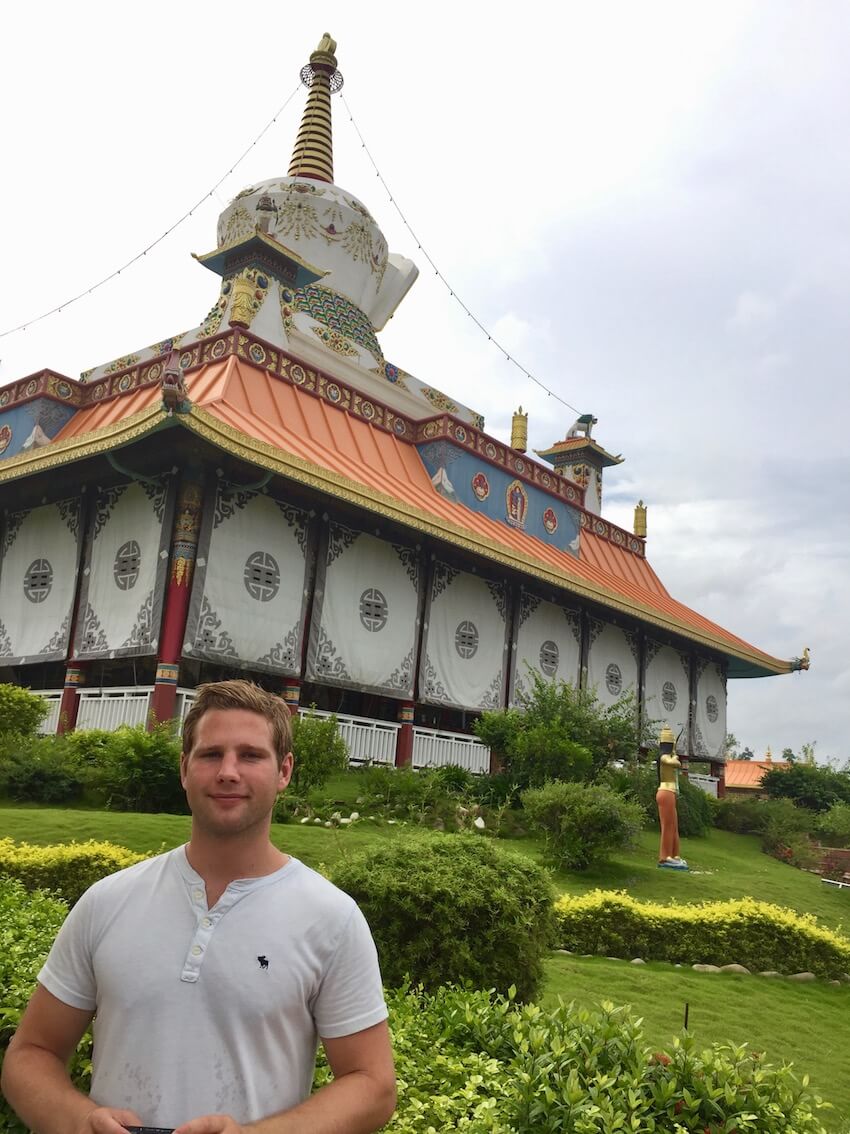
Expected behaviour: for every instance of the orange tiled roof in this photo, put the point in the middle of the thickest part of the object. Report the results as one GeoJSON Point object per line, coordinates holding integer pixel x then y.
{"type": "Point", "coordinates": [746, 775]}
{"type": "Point", "coordinates": [275, 424]}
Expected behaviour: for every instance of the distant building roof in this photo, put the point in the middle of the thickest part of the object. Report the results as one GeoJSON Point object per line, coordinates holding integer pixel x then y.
{"type": "Point", "coordinates": [746, 775]}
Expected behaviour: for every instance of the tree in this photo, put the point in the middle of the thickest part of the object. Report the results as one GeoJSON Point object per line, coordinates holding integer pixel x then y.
{"type": "Point", "coordinates": [789, 756]}
{"type": "Point", "coordinates": [561, 733]}
{"type": "Point", "coordinates": [732, 745]}
{"type": "Point", "coordinates": [808, 785]}
{"type": "Point", "coordinates": [747, 754]}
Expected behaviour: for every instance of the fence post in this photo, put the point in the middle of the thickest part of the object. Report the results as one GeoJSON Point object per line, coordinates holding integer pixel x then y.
{"type": "Point", "coordinates": [404, 736]}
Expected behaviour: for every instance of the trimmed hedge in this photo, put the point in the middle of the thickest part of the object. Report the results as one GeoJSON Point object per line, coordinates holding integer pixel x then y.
{"type": "Point", "coordinates": [67, 869]}
{"type": "Point", "coordinates": [453, 910]}
{"type": "Point", "coordinates": [759, 935]}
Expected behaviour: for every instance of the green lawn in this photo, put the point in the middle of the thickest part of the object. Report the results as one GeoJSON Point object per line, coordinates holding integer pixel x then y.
{"type": "Point", "coordinates": [808, 1025]}
{"type": "Point", "coordinates": [804, 1024]}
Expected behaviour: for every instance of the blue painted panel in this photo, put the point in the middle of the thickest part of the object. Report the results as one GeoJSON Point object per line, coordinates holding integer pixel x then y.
{"type": "Point", "coordinates": [456, 469]}
{"type": "Point", "coordinates": [22, 420]}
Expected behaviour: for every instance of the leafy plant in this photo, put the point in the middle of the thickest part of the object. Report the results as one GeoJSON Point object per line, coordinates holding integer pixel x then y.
{"type": "Point", "coordinates": [583, 823]}
{"type": "Point", "coordinates": [561, 733]}
{"type": "Point", "coordinates": [450, 910]}
{"type": "Point", "coordinates": [808, 785]}
{"type": "Point", "coordinates": [318, 749]}
{"type": "Point", "coordinates": [834, 825]}
{"type": "Point", "coordinates": [21, 711]}
{"type": "Point", "coordinates": [134, 770]}
{"type": "Point", "coordinates": [66, 869]}
{"type": "Point", "coordinates": [37, 769]}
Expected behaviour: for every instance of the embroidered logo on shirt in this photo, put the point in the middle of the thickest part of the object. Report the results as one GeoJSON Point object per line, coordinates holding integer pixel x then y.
{"type": "Point", "coordinates": [264, 962]}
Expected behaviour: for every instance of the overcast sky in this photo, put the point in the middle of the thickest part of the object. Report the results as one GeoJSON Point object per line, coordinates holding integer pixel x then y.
{"type": "Point", "coordinates": [648, 204]}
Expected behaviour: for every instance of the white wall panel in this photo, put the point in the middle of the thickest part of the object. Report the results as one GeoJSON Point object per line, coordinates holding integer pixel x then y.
{"type": "Point", "coordinates": [666, 694]}
{"type": "Point", "coordinates": [612, 664]}
{"type": "Point", "coordinates": [710, 718]}
{"type": "Point", "coordinates": [548, 640]}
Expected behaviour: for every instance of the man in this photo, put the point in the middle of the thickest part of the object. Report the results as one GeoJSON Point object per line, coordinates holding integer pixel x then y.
{"type": "Point", "coordinates": [213, 969]}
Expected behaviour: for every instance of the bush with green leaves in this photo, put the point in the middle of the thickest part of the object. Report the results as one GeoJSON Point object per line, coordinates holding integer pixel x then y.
{"type": "Point", "coordinates": [318, 749]}
{"type": "Point", "coordinates": [450, 909]}
{"type": "Point", "coordinates": [583, 823]}
{"type": "Point", "coordinates": [561, 733]}
{"type": "Point", "coordinates": [482, 1063]}
{"type": "Point", "coordinates": [759, 935]}
{"type": "Point", "coordinates": [695, 809]}
{"type": "Point", "coordinates": [834, 825]}
{"type": "Point", "coordinates": [21, 711]}
{"type": "Point", "coordinates": [808, 785]}
{"type": "Point", "coordinates": [65, 869]}
{"type": "Point", "coordinates": [134, 770]}
{"type": "Point", "coordinates": [37, 769]}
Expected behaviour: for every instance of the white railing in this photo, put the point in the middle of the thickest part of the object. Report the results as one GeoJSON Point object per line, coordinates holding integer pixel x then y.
{"type": "Point", "coordinates": [111, 707]}
{"type": "Point", "coordinates": [368, 740]}
{"type": "Point", "coordinates": [433, 748]}
{"type": "Point", "coordinates": [707, 783]}
{"type": "Point", "coordinates": [53, 697]}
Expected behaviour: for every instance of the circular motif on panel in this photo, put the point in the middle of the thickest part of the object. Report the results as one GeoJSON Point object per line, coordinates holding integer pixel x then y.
{"type": "Point", "coordinates": [155, 372]}
{"type": "Point", "coordinates": [460, 433]}
{"type": "Point", "coordinates": [5, 437]}
{"type": "Point", "coordinates": [550, 655]}
{"type": "Point", "coordinates": [368, 410]}
{"type": "Point", "coordinates": [431, 429]}
{"type": "Point", "coordinates": [125, 569]}
{"type": "Point", "coordinates": [373, 610]}
{"type": "Point", "coordinates": [614, 679]}
{"type": "Point", "coordinates": [261, 576]}
{"type": "Point", "coordinates": [398, 426]}
{"type": "Point", "coordinates": [124, 382]}
{"type": "Point", "coordinates": [257, 354]}
{"type": "Point", "coordinates": [571, 493]}
{"type": "Point", "coordinates": [38, 580]}
{"type": "Point", "coordinates": [634, 545]}
{"type": "Point", "coordinates": [63, 390]}
{"type": "Point", "coordinates": [617, 536]}
{"type": "Point", "coordinates": [185, 360]}
{"type": "Point", "coordinates": [545, 479]}
{"type": "Point", "coordinates": [712, 709]}
{"type": "Point", "coordinates": [600, 528]}
{"type": "Point", "coordinates": [391, 372]}
{"type": "Point", "coordinates": [31, 388]}
{"type": "Point", "coordinates": [296, 373]}
{"type": "Point", "coordinates": [550, 521]}
{"type": "Point", "coordinates": [490, 450]}
{"type": "Point", "coordinates": [466, 639]}
{"type": "Point", "coordinates": [333, 392]}
{"type": "Point", "coordinates": [519, 466]}
{"type": "Point", "coordinates": [669, 697]}
{"type": "Point", "coordinates": [480, 486]}
{"type": "Point", "coordinates": [4, 398]}
{"type": "Point", "coordinates": [218, 348]}
{"type": "Point", "coordinates": [98, 392]}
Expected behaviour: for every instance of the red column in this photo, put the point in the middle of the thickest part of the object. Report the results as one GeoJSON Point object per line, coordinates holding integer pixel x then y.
{"type": "Point", "coordinates": [75, 676]}
{"type": "Point", "coordinates": [184, 545]}
{"type": "Point", "coordinates": [292, 694]}
{"type": "Point", "coordinates": [404, 736]}
{"type": "Point", "coordinates": [719, 770]}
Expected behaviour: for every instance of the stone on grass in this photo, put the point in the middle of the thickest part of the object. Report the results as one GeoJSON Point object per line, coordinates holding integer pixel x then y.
{"type": "Point", "coordinates": [705, 968]}
{"type": "Point", "coordinates": [638, 961]}
{"type": "Point", "coordinates": [770, 973]}
{"type": "Point", "coordinates": [734, 969]}
{"type": "Point", "coordinates": [802, 976]}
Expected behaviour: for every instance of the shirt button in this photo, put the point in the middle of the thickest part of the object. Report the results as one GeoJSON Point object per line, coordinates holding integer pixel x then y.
{"type": "Point", "coordinates": [196, 950]}
{"type": "Point", "coordinates": [206, 923]}
{"type": "Point", "coordinates": [199, 894]}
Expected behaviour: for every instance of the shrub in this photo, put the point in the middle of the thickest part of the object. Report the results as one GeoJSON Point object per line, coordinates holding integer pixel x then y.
{"type": "Point", "coordinates": [449, 910]}
{"type": "Point", "coordinates": [135, 770]}
{"type": "Point", "coordinates": [67, 869]}
{"type": "Point", "coordinates": [319, 751]}
{"type": "Point", "coordinates": [477, 1062]}
{"type": "Point", "coordinates": [808, 785]}
{"type": "Point", "coordinates": [37, 769]}
{"type": "Point", "coordinates": [583, 823]}
{"type": "Point", "coordinates": [695, 810]}
{"type": "Point", "coordinates": [741, 816]}
{"type": "Point", "coordinates": [21, 711]}
{"type": "Point", "coordinates": [561, 733]}
{"type": "Point", "coordinates": [834, 825]}
{"type": "Point", "coordinates": [758, 935]}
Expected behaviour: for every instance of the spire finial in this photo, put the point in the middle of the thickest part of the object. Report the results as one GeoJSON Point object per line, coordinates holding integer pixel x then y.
{"type": "Point", "coordinates": [313, 153]}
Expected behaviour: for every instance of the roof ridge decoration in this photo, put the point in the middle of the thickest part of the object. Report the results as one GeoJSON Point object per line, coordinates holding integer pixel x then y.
{"type": "Point", "coordinates": [313, 153]}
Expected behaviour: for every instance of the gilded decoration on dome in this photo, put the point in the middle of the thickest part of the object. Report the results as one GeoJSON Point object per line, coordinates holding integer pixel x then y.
{"type": "Point", "coordinates": [297, 219]}
{"type": "Point", "coordinates": [249, 290]}
{"type": "Point", "coordinates": [121, 363]}
{"type": "Point", "coordinates": [336, 313]}
{"type": "Point", "coordinates": [239, 225]}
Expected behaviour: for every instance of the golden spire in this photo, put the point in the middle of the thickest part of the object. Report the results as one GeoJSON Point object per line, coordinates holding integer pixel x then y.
{"type": "Point", "coordinates": [640, 520]}
{"type": "Point", "coordinates": [519, 431]}
{"type": "Point", "coordinates": [313, 153]}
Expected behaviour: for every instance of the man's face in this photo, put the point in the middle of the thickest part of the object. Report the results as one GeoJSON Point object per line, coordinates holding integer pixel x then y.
{"type": "Point", "coordinates": [231, 777]}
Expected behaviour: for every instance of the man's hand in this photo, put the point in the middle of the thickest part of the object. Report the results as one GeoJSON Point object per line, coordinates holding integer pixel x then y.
{"type": "Point", "coordinates": [109, 1120]}
{"type": "Point", "coordinates": [207, 1124]}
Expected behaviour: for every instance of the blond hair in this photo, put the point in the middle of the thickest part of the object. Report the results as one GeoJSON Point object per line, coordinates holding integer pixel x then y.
{"type": "Point", "coordinates": [246, 695]}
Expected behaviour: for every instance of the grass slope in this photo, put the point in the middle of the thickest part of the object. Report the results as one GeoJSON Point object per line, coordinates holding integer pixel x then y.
{"type": "Point", "coordinates": [804, 1024]}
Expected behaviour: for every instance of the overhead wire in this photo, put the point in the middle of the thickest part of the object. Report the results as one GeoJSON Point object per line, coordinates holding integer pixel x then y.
{"type": "Point", "coordinates": [139, 255]}
{"type": "Point", "coordinates": [452, 292]}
